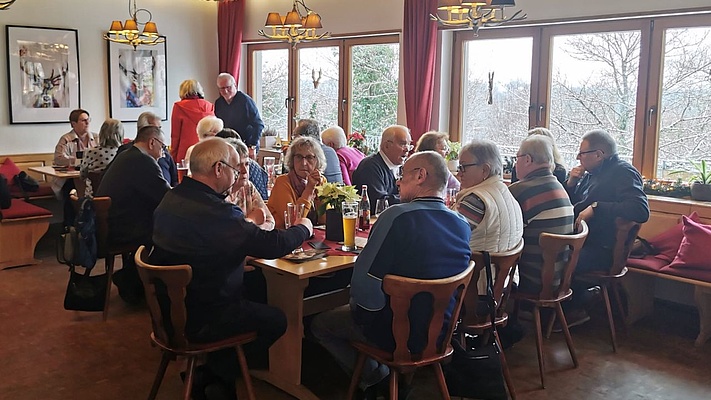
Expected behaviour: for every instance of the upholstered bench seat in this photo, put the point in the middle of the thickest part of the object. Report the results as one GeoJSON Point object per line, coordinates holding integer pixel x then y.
{"type": "Point", "coordinates": [45, 191]}
{"type": "Point", "coordinates": [21, 227]}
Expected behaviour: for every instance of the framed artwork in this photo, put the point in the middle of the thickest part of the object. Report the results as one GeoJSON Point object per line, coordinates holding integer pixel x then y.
{"type": "Point", "coordinates": [138, 81]}
{"type": "Point", "coordinates": [43, 74]}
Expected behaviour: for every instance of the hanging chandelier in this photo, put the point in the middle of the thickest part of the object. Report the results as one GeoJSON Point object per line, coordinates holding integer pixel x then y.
{"type": "Point", "coordinates": [474, 13]}
{"type": "Point", "coordinates": [298, 25]}
{"type": "Point", "coordinates": [128, 33]}
{"type": "Point", "coordinates": [5, 4]}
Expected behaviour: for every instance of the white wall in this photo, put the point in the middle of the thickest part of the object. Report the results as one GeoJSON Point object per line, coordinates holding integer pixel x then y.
{"type": "Point", "coordinates": [189, 25]}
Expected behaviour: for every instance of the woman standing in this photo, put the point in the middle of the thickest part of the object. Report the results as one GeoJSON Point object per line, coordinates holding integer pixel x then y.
{"type": "Point", "coordinates": [187, 112]}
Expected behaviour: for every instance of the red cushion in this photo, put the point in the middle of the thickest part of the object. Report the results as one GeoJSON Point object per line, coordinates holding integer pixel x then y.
{"type": "Point", "coordinates": [45, 189]}
{"type": "Point", "coordinates": [650, 263]}
{"type": "Point", "coordinates": [21, 209]}
{"type": "Point", "coordinates": [8, 169]}
{"type": "Point", "coordinates": [703, 275]}
{"type": "Point", "coordinates": [667, 243]}
{"type": "Point", "coordinates": [692, 251]}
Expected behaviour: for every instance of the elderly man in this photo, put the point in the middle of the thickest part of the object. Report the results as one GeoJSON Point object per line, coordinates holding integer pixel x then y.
{"type": "Point", "coordinates": [136, 185]}
{"type": "Point", "coordinates": [309, 127]}
{"type": "Point", "coordinates": [544, 203]}
{"type": "Point", "coordinates": [381, 170]}
{"type": "Point", "coordinates": [602, 188]}
{"type": "Point", "coordinates": [441, 250]}
{"type": "Point", "coordinates": [195, 225]}
{"type": "Point", "coordinates": [238, 111]}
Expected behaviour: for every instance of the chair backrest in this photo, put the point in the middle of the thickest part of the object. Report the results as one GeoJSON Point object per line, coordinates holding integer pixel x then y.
{"type": "Point", "coordinates": [174, 280]}
{"type": "Point", "coordinates": [402, 290]}
{"type": "Point", "coordinates": [625, 233]}
{"type": "Point", "coordinates": [503, 267]}
{"type": "Point", "coordinates": [556, 247]}
{"type": "Point", "coordinates": [101, 207]}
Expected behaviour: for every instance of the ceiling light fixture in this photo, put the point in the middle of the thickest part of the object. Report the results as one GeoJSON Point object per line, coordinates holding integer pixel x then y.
{"type": "Point", "coordinates": [128, 33]}
{"type": "Point", "coordinates": [298, 25]}
{"type": "Point", "coordinates": [475, 13]}
{"type": "Point", "coordinates": [5, 4]}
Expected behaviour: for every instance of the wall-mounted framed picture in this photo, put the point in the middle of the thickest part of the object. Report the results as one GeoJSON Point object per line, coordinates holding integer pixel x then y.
{"type": "Point", "coordinates": [43, 74]}
{"type": "Point", "coordinates": [138, 81]}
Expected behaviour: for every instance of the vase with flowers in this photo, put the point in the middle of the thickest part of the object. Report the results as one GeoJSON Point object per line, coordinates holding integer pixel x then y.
{"type": "Point", "coordinates": [331, 196]}
{"type": "Point", "coordinates": [358, 141]}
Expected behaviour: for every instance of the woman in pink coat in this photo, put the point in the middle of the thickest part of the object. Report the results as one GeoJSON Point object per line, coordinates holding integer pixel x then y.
{"type": "Point", "coordinates": [187, 112]}
{"type": "Point", "coordinates": [348, 157]}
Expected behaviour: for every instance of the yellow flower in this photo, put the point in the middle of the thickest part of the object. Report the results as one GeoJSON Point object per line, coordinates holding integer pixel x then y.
{"type": "Point", "coordinates": [332, 195]}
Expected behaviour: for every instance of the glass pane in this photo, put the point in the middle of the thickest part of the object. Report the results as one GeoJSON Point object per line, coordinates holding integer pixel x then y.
{"type": "Point", "coordinates": [271, 74]}
{"type": "Point", "coordinates": [374, 80]}
{"type": "Point", "coordinates": [594, 86]}
{"type": "Point", "coordinates": [497, 91]}
{"type": "Point", "coordinates": [318, 85]}
{"type": "Point", "coordinates": [685, 124]}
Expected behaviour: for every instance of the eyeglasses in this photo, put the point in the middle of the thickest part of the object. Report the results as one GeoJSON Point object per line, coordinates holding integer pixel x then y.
{"type": "Point", "coordinates": [587, 152]}
{"type": "Point", "coordinates": [462, 167]}
{"type": "Point", "coordinates": [299, 158]}
{"type": "Point", "coordinates": [237, 172]}
{"type": "Point", "coordinates": [225, 87]}
{"type": "Point", "coordinates": [404, 146]}
{"type": "Point", "coordinates": [162, 145]}
{"type": "Point", "coordinates": [517, 156]}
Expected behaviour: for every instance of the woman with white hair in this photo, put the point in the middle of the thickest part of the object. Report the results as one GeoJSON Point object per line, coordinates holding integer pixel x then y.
{"type": "Point", "coordinates": [207, 127]}
{"type": "Point", "coordinates": [559, 170]}
{"type": "Point", "coordinates": [187, 112]}
{"type": "Point", "coordinates": [437, 141]}
{"type": "Point", "coordinates": [348, 157]}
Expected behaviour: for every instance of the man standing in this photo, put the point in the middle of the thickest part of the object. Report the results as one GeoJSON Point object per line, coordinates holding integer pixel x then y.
{"type": "Point", "coordinates": [136, 185]}
{"type": "Point", "coordinates": [309, 127]}
{"type": "Point", "coordinates": [195, 225]}
{"type": "Point", "coordinates": [381, 170]}
{"type": "Point", "coordinates": [238, 111]}
{"type": "Point", "coordinates": [398, 245]}
{"type": "Point", "coordinates": [545, 206]}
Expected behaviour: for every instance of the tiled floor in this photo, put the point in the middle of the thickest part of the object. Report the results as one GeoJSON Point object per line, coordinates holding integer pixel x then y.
{"type": "Point", "coordinates": [49, 353]}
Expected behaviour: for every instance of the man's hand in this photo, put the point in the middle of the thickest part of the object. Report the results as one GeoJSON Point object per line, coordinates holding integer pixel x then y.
{"type": "Point", "coordinates": [307, 223]}
{"type": "Point", "coordinates": [256, 216]}
{"type": "Point", "coordinates": [576, 173]}
{"type": "Point", "coordinates": [585, 215]}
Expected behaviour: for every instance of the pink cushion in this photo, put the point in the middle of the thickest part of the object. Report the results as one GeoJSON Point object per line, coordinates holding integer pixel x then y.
{"type": "Point", "coordinates": [667, 243]}
{"type": "Point", "coordinates": [703, 275]}
{"type": "Point", "coordinates": [8, 169]}
{"type": "Point", "coordinates": [649, 263]}
{"type": "Point", "coordinates": [21, 209]}
{"type": "Point", "coordinates": [692, 251]}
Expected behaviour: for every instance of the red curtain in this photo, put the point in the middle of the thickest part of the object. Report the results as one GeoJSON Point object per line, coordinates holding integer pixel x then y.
{"type": "Point", "coordinates": [419, 36]}
{"type": "Point", "coordinates": [230, 22]}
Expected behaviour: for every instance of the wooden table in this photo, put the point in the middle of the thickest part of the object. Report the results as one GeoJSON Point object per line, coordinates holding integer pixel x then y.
{"type": "Point", "coordinates": [49, 170]}
{"type": "Point", "coordinates": [286, 282]}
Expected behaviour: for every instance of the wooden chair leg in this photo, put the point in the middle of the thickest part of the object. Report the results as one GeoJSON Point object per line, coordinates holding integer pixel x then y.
{"type": "Point", "coordinates": [109, 263]}
{"type": "Point", "coordinates": [357, 370]}
{"type": "Point", "coordinates": [189, 375]}
{"type": "Point", "coordinates": [245, 373]}
{"type": "Point", "coordinates": [620, 306]}
{"type": "Point", "coordinates": [566, 332]}
{"type": "Point", "coordinates": [159, 375]}
{"type": "Point", "coordinates": [610, 319]}
{"type": "Point", "coordinates": [394, 375]}
{"type": "Point", "coordinates": [551, 322]}
{"type": "Point", "coordinates": [505, 368]}
{"type": "Point", "coordinates": [440, 381]}
{"type": "Point", "coordinates": [539, 344]}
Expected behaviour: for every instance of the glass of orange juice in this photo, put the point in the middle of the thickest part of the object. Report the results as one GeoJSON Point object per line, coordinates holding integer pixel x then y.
{"type": "Point", "coordinates": [350, 217]}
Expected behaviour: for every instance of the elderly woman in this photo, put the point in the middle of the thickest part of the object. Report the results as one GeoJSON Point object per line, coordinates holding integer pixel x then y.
{"type": "Point", "coordinates": [559, 170]}
{"type": "Point", "coordinates": [207, 127]}
{"type": "Point", "coordinates": [191, 108]}
{"type": "Point", "coordinates": [306, 162]}
{"type": "Point", "coordinates": [245, 195]}
{"type": "Point", "coordinates": [437, 141]}
{"type": "Point", "coordinates": [98, 158]}
{"type": "Point", "coordinates": [485, 201]}
{"type": "Point", "coordinates": [348, 157]}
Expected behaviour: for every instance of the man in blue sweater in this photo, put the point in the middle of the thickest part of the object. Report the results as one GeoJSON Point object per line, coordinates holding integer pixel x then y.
{"type": "Point", "coordinates": [398, 245]}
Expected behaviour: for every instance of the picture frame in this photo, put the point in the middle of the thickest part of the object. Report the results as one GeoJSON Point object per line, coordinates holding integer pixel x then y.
{"type": "Point", "coordinates": [42, 73]}
{"type": "Point", "coordinates": [138, 80]}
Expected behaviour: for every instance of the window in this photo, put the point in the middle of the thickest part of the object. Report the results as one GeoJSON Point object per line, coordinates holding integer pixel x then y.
{"type": "Point", "coordinates": [272, 91]}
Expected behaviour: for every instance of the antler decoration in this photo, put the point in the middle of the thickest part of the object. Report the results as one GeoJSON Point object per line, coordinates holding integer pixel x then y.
{"type": "Point", "coordinates": [5, 4]}
{"type": "Point", "coordinates": [314, 78]}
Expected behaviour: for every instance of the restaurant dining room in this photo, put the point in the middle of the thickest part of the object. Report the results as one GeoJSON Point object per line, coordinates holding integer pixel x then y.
{"type": "Point", "coordinates": [216, 265]}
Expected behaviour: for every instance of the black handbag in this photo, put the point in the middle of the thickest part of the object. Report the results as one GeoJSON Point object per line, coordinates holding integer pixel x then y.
{"type": "Point", "coordinates": [26, 184]}
{"type": "Point", "coordinates": [85, 292]}
{"type": "Point", "coordinates": [475, 372]}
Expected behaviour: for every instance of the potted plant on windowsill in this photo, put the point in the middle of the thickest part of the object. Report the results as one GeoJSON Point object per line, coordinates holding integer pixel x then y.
{"type": "Point", "coordinates": [453, 156]}
{"type": "Point", "coordinates": [331, 197]}
{"type": "Point", "coordinates": [700, 180]}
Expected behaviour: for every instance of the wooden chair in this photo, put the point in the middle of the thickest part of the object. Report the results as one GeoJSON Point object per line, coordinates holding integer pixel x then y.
{"type": "Point", "coordinates": [503, 268]}
{"type": "Point", "coordinates": [625, 234]}
{"type": "Point", "coordinates": [175, 278]}
{"type": "Point", "coordinates": [401, 291]}
{"type": "Point", "coordinates": [551, 296]}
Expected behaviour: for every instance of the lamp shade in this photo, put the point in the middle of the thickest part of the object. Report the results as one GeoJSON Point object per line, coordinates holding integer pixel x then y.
{"type": "Point", "coordinates": [150, 29]}
{"type": "Point", "coordinates": [273, 19]}
{"type": "Point", "coordinates": [313, 20]}
{"type": "Point", "coordinates": [130, 26]}
{"type": "Point", "coordinates": [449, 4]}
{"type": "Point", "coordinates": [115, 27]}
{"type": "Point", "coordinates": [293, 18]}
{"type": "Point", "coordinates": [500, 3]}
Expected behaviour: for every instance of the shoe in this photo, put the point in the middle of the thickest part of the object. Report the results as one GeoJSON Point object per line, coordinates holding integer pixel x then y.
{"type": "Point", "coordinates": [592, 295]}
{"type": "Point", "coordinates": [574, 317]}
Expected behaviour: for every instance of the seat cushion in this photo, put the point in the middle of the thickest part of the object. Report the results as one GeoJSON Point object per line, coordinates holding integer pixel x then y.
{"type": "Point", "coordinates": [22, 209]}
{"type": "Point", "coordinates": [692, 250]}
{"type": "Point", "coordinates": [44, 190]}
{"type": "Point", "coordinates": [649, 263]}
{"type": "Point", "coordinates": [8, 169]}
{"type": "Point", "coordinates": [703, 275]}
{"type": "Point", "coordinates": [667, 243]}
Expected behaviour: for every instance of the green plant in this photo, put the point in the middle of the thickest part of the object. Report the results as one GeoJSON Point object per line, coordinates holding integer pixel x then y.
{"type": "Point", "coordinates": [332, 195]}
{"type": "Point", "coordinates": [454, 149]}
{"type": "Point", "coordinates": [701, 172]}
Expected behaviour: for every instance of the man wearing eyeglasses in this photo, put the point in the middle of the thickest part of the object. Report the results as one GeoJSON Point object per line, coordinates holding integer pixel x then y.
{"type": "Point", "coordinates": [381, 170]}
{"type": "Point", "coordinates": [238, 111]}
{"type": "Point", "coordinates": [602, 188]}
{"type": "Point", "coordinates": [136, 185]}
{"type": "Point", "coordinates": [195, 225]}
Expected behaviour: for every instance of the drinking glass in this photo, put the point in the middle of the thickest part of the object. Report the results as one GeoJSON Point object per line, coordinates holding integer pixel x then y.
{"type": "Point", "coordinates": [269, 167]}
{"type": "Point", "coordinates": [293, 213]}
{"type": "Point", "coordinates": [380, 206]}
{"type": "Point", "coordinates": [451, 197]}
{"type": "Point", "coordinates": [350, 216]}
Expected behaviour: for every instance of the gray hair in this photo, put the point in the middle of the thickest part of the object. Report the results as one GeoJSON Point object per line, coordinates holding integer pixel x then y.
{"type": "Point", "coordinates": [485, 152]}
{"type": "Point", "coordinates": [539, 148]}
{"type": "Point", "coordinates": [209, 126]}
{"type": "Point", "coordinates": [111, 133]}
{"type": "Point", "coordinates": [429, 140]}
{"type": "Point", "coordinates": [436, 168]}
{"type": "Point", "coordinates": [307, 127]}
{"type": "Point", "coordinates": [306, 142]}
{"type": "Point", "coordinates": [599, 139]}
{"type": "Point", "coordinates": [389, 133]}
{"type": "Point", "coordinates": [147, 118]}
{"type": "Point", "coordinates": [239, 145]}
{"type": "Point", "coordinates": [225, 75]}
{"type": "Point", "coordinates": [335, 135]}
{"type": "Point", "coordinates": [206, 153]}
{"type": "Point", "coordinates": [547, 133]}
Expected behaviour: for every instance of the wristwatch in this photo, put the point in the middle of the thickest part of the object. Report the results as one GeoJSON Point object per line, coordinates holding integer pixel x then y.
{"type": "Point", "coordinates": [594, 205]}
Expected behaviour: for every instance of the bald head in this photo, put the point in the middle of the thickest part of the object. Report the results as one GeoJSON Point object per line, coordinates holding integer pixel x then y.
{"type": "Point", "coordinates": [424, 175]}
